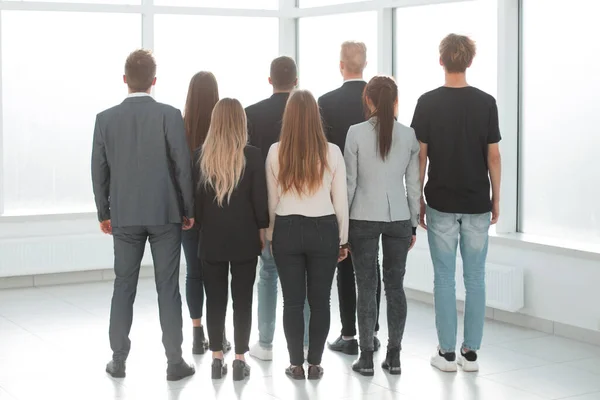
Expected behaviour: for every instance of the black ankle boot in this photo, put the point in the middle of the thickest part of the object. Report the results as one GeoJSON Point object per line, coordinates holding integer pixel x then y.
{"type": "Point", "coordinates": [392, 361]}
{"type": "Point", "coordinates": [364, 365]}
{"type": "Point", "coordinates": [218, 369]}
{"type": "Point", "coordinates": [200, 343]}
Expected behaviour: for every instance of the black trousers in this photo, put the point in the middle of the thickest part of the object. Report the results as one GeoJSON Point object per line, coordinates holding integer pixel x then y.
{"type": "Point", "coordinates": [346, 284]}
{"type": "Point", "coordinates": [306, 251]}
{"type": "Point", "coordinates": [194, 284]}
{"type": "Point", "coordinates": [216, 277]}
{"type": "Point", "coordinates": [129, 244]}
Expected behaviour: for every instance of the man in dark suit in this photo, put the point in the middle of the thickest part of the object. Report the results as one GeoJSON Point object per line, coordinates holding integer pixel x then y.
{"type": "Point", "coordinates": [340, 109]}
{"type": "Point", "coordinates": [141, 174]}
{"type": "Point", "coordinates": [264, 126]}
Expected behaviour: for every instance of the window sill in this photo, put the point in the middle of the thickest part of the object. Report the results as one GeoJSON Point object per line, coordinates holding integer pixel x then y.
{"type": "Point", "coordinates": [48, 217]}
{"type": "Point", "coordinates": [556, 245]}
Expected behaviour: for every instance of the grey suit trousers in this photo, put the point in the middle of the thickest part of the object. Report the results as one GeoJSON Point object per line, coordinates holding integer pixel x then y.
{"type": "Point", "coordinates": [129, 244]}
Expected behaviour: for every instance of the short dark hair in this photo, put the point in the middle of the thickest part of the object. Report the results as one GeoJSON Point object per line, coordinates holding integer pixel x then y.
{"type": "Point", "coordinates": [140, 70]}
{"type": "Point", "coordinates": [284, 73]}
{"type": "Point", "coordinates": [457, 53]}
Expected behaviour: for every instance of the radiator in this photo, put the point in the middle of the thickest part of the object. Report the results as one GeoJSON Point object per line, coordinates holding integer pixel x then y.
{"type": "Point", "coordinates": [504, 284]}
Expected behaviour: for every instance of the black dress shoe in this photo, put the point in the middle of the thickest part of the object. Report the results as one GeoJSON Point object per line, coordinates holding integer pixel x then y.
{"type": "Point", "coordinates": [116, 369]}
{"type": "Point", "coordinates": [315, 372]}
{"type": "Point", "coordinates": [392, 361]}
{"type": "Point", "coordinates": [376, 343]}
{"type": "Point", "coordinates": [241, 370]}
{"type": "Point", "coordinates": [176, 372]}
{"type": "Point", "coordinates": [296, 373]}
{"type": "Point", "coordinates": [364, 365]}
{"type": "Point", "coordinates": [200, 343]}
{"type": "Point", "coordinates": [218, 369]}
{"type": "Point", "coordinates": [344, 346]}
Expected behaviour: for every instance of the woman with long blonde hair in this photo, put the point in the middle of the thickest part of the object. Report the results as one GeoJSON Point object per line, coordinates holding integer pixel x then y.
{"type": "Point", "coordinates": [308, 206]}
{"type": "Point", "coordinates": [232, 213]}
{"type": "Point", "coordinates": [203, 94]}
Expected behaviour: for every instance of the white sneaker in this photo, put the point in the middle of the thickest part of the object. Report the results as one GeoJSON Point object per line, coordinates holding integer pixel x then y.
{"type": "Point", "coordinates": [468, 366]}
{"type": "Point", "coordinates": [444, 362]}
{"type": "Point", "coordinates": [261, 353]}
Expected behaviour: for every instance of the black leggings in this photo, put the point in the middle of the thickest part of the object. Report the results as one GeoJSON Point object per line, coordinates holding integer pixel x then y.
{"type": "Point", "coordinates": [306, 250]}
{"type": "Point", "coordinates": [216, 277]}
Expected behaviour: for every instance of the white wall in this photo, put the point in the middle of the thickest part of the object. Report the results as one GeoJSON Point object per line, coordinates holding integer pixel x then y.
{"type": "Point", "coordinates": [561, 285]}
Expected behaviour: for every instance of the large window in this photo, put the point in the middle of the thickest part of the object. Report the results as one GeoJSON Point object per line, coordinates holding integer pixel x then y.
{"type": "Point", "coordinates": [58, 70]}
{"type": "Point", "coordinates": [419, 31]}
{"type": "Point", "coordinates": [560, 119]}
{"type": "Point", "coordinates": [320, 40]}
{"type": "Point", "coordinates": [187, 44]}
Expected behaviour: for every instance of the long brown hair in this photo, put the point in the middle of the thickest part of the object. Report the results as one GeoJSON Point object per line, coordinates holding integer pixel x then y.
{"type": "Point", "coordinates": [303, 147]}
{"type": "Point", "coordinates": [382, 92]}
{"type": "Point", "coordinates": [202, 96]}
{"type": "Point", "coordinates": [222, 163]}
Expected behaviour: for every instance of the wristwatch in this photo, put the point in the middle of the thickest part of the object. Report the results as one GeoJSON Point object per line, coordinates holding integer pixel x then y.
{"type": "Point", "coordinates": [344, 246]}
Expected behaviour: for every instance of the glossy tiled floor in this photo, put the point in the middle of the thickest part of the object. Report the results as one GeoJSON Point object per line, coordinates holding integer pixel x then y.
{"type": "Point", "coordinates": [54, 345]}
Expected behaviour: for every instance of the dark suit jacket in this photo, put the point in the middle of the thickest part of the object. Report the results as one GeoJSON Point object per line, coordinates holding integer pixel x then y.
{"type": "Point", "coordinates": [141, 168]}
{"type": "Point", "coordinates": [340, 109]}
{"type": "Point", "coordinates": [264, 121]}
{"type": "Point", "coordinates": [231, 232]}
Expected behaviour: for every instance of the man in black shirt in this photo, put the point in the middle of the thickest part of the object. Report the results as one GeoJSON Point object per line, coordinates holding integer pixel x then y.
{"type": "Point", "coordinates": [340, 109]}
{"type": "Point", "coordinates": [264, 126]}
{"type": "Point", "coordinates": [457, 126]}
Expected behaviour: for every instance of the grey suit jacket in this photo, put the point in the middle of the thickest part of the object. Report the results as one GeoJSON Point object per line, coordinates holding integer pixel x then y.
{"type": "Point", "coordinates": [141, 164]}
{"type": "Point", "coordinates": [376, 189]}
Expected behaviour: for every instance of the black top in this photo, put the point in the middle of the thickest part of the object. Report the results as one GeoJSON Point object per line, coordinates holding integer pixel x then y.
{"type": "Point", "coordinates": [457, 124]}
{"type": "Point", "coordinates": [342, 108]}
{"type": "Point", "coordinates": [264, 121]}
{"type": "Point", "coordinates": [231, 232]}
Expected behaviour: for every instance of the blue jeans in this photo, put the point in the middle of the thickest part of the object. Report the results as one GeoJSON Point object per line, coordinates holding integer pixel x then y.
{"type": "Point", "coordinates": [267, 300]}
{"type": "Point", "coordinates": [194, 283]}
{"type": "Point", "coordinates": [445, 231]}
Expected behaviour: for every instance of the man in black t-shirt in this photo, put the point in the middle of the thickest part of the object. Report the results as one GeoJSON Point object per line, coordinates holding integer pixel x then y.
{"type": "Point", "coordinates": [457, 126]}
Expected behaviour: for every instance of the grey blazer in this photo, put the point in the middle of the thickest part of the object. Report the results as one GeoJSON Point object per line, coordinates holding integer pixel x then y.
{"type": "Point", "coordinates": [141, 164]}
{"type": "Point", "coordinates": [376, 189]}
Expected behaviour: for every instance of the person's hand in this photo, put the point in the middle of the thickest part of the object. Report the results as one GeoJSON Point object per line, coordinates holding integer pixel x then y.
{"type": "Point", "coordinates": [261, 234]}
{"type": "Point", "coordinates": [422, 215]}
{"type": "Point", "coordinates": [495, 212]}
{"type": "Point", "coordinates": [188, 223]}
{"type": "Point", "coordinates": [343, 254]}
{"type": "Point", "coordinates": [106, 227]}
{"type": "Point", "coordinates": [412, 242]}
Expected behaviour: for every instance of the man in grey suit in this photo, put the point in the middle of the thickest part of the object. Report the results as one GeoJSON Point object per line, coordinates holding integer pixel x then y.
{"type": "Point", "coordinates": [141, 174]}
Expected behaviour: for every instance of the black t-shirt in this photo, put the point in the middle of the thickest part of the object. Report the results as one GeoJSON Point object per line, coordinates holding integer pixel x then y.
{"type": "Point", "coordinates": [457, 124]}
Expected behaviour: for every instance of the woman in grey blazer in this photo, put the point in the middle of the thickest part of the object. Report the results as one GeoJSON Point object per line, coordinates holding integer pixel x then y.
{"type": "Point", "coordinates": [381, 154]}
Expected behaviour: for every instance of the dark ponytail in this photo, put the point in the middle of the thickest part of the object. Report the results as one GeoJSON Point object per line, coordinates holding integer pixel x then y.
{"type": "Point", "coordinates": [382, 92]}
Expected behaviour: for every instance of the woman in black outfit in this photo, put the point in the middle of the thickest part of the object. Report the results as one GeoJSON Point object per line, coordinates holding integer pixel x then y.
{"type": "Point", "coordinates": [232, 213]}
{"type": "Point", "coordinates": [202, 96]}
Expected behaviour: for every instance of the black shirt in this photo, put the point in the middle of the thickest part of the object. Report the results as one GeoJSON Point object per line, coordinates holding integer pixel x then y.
{"type": "Point", "coordinates": [457, 124]}
{"type": "Point", "coordinates": [340, 109]}
{"type": "Point", "coordinates": [231, 232]}
{"type": "Point", "coordinates": [264, 121]}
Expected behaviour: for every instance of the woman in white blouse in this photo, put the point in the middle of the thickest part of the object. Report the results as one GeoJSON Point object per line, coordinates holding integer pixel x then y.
{"type": "Point", "coordinates": [308, 205]}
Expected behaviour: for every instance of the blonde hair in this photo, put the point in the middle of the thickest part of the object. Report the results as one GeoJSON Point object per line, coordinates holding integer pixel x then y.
{"type": "Point", "coordinates": [222, 162]}
{"type": "Point", "coordinates": [457, 52]}
{"type": "Point", "coordinates": [354, 56]}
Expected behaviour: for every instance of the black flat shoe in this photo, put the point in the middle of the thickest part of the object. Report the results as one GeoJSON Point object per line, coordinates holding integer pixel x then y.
{"type": "Point", "coordinates": [219, 368]}
{"type": "Point", "coordinates": [364, 365]}
{"type": "Point", "coordinates": [116, 369]}
{"type": "Point", "coordinates": [200, 343]}
{"type": "Point", "coordinates": [241, 370]}
{"type": "Point", "coordinates": [349, 347]}
{"type": "Point", "coordinates": [177, 372]}
{"type": "Point", "coordinates": [315, 372]}
{"type": "Point", "coordinates": [392, 362]}
{"type": "Point", "coordinates": [296, 373]}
